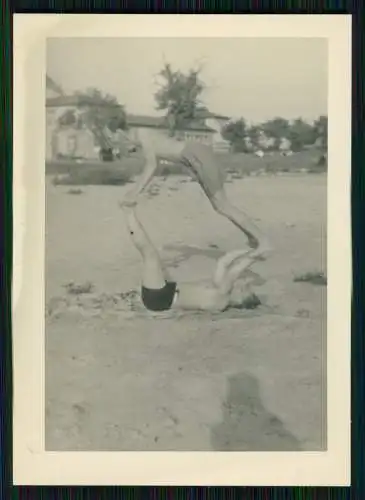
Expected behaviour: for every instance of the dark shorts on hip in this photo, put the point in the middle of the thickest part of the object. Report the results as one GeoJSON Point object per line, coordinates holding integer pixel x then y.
{"type": "Point", "coordinates": [160, 299]}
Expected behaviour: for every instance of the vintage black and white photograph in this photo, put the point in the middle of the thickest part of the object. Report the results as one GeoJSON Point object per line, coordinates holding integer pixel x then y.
{"type": "Point", "coordinates": [186, 237]}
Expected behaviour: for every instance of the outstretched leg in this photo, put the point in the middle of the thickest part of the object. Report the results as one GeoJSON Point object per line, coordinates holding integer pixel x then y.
{"type": "Point", "coordinates": [154, 275]}
{"type": "Point", "coordinates": [149, 170]}
{"type": "Point", "coordinates": [230, 267]}
{"type": "Point", "coordinates": [201, 161]}
{"type": "Point", "coordinates": [241, 220]}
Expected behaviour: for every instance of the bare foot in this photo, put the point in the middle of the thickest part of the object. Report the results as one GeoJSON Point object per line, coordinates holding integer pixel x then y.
{"type": "Point", "coordinates": [263, 251]}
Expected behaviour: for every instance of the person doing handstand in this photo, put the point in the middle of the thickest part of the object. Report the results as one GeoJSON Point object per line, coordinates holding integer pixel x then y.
{"type": "Point", "coordinates": [159, 291]}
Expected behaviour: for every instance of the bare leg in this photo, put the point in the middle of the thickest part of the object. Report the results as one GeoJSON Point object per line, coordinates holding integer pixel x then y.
{"type": "Point", "coordinates": [226, 262]}
{"type": "Point", "coordinates": [224, 207]}
{"type": "Point", "coordinates": [202, 162]}
{"type": "Point", "coordinates": [230, 267]}
{"type": "Point", "coordinates": [236, 271]}
{"type": "Point", "coordinates": [150, 168]}
{"type": "Point", "coordinates": [154, 275]}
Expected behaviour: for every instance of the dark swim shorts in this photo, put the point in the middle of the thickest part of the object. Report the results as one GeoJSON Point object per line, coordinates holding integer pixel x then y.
{"type": "Point", "coordinates": [159, 299]}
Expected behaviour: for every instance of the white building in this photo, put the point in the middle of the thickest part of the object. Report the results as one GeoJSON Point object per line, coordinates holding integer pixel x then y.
{"type": "Point", "coordinates": [217, 123]}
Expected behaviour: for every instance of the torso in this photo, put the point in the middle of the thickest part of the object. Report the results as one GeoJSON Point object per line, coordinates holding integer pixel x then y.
{"type": "Point", "coordinates": [203, 297]}
{"type": "Point", "coordinates": [160, 143]}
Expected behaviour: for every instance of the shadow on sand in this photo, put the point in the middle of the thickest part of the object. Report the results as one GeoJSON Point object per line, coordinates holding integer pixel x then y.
{"type": "Point", "coordinates": [247, 425]}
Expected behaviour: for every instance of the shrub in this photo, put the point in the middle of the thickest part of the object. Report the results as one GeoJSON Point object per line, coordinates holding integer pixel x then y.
{"type": "Point", "coordinates": [75, 191]}
{"type": "Point", "coordinates": [102, 177]}
{"type": "Point", "coordinates": [250, 302]}
{"type": "Point", "coordinates": [165, 170]}
{"type": "Point", "coordinates": [94, 172]}
{"type": "Point", "coordinates": [315, 278]}
{"type": "Point", "coordinates": [79, 289]}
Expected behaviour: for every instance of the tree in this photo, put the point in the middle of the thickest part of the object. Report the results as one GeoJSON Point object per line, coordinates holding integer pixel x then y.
{"type": "Point", "coordinates": [98, 110]}
{"type": "Point", "coordinates": [235, 132]}
{"type": "Point", "coordinates": [321, 130]}
{"type": "Point", "coordinates": [301, 134]}
{"type": "Point", "coordinates": [178, 95]}
{"type": "Point", "coordinates": [68, 118]}
{"type": "Point", "coordinates": [254, 134]}
{"type": "Point", "coordinates": [276, 129]}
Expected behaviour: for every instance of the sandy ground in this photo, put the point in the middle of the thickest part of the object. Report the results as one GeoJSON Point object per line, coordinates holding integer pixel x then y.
{"type": "Point", "coordinates": [118, 378]}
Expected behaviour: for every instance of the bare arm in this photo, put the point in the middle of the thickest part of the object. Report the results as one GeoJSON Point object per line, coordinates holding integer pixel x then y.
{"type": "Point", "coordinates": [147, 174]}
{"type": "Point", "coordinates": [149, 170]}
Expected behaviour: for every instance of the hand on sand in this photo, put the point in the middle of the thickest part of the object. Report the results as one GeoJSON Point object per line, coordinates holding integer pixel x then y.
{"type": "Point", "coordinates": [262, 252]}
{"type": "Point", "coordinates": [130, 200]}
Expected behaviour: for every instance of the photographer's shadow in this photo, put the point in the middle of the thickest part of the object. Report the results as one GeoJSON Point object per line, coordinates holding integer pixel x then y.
{"type": "Point", "coordinates": [247, 425]}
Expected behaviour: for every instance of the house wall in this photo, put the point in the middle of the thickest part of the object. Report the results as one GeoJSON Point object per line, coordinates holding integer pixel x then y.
{"type": "Point", "coordinates": [51, 122]}
{"type": "Point", "coordinates": [69, 141]}
{"type": "Point", "coordinates": [218, 142]}
{"type": "Point", "coordinates": [51, 125]}
{"type": "Point", "coordinates": [75, 143]}
{"type": "Point", "coordinates": [205, 137]}
{"type": "Point", "coordinates": [153, 138]}
{"type": "Point", "coordinates": [162, 144]}
{"type": "Point", "coordinates": [52, 115]}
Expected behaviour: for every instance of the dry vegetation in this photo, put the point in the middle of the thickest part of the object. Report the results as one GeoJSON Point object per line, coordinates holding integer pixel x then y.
{"type": "Point", "coordinates": [123, 171]}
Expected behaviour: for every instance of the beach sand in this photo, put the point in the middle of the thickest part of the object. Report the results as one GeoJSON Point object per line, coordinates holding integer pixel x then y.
{"type": "Point", "coordinates": [120, 379]}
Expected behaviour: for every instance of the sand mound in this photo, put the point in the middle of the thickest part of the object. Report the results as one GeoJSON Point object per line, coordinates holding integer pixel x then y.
{"type": "Point", "coordinates": [128, 304]}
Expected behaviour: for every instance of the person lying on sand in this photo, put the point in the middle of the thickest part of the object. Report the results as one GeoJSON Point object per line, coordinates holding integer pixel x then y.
{"type": "Point", "coordinates": [159, 291]}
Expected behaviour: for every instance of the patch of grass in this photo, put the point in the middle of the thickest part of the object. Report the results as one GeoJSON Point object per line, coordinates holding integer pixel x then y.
{"type": "Point", "coordinates": [94, 172]}
{"type": "Point", "coordinates": [302, 313]}
{"type": "Point", "coordinates": [165, 170]}
{"type": "Point", "coordinates": [75, 191]}
{"type": "Point", "coordinates": [79, 289]}
{"type": "Point", "coordinates": [122, 171]}
{"type": "Point", "coordinates": [153, 190]}
{"type": "Point", "coordinates": [314, 277]}
{"type": "Point", "coordinates": [247, 163]}
{"type": "Point", "coordinates": [250, 302]}
{"type": "Point", "coordinates": [102, 177]}
{"type": "Point", "coordinates": [317, 170]}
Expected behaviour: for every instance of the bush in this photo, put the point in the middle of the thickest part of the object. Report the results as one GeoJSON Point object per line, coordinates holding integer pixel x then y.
{"type": "Point", "coordinates": [124, 170]}
{"type": "Point", "coordinates": [245, 163]}
{"type": "Point", "coordinates": [93, 178]}
{"type": "Point", "coordinates": [165, 170]}
{"type": "Point", "coordinates": [79, 289]}
{"type": "Point", "coordinates": [315, 278]}
{"type": "Point", "coordinates": [75, 191]}
{"type": "Point", "coordinates": [94, 172]}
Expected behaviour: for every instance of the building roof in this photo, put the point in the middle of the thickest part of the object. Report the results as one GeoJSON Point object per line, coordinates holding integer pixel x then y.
{"type": "Point", "coordinates": [220, 117]}
{"type": "Point", "coordinates": [70, 100]}
{"type": "Point", "coordinates": [132, 119]}
{"type": "Point", "coordinates": [205, 113]}
{"type": "Point", "coordinates": [159, 122]}
{"type": "Point", "coordinates": [52, 85]}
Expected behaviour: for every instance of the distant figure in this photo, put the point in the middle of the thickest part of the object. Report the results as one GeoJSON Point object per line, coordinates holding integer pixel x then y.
{"type": "Point", "coordinates": [159, 291]}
